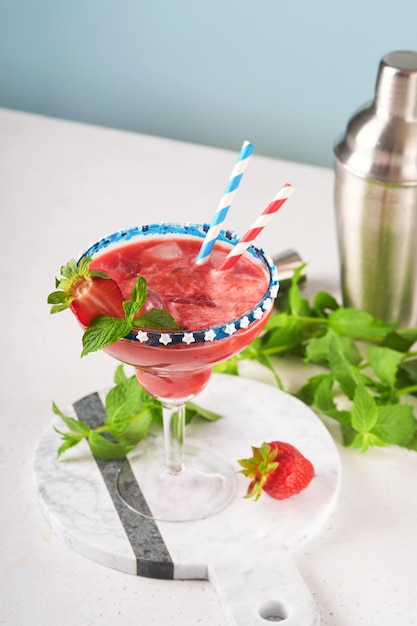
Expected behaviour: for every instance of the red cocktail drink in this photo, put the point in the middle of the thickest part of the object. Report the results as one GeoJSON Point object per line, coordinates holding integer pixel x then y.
{"type": "Point", "coordinates": [204, 302]}
{"type": "Point", "coordinates": [218, 313]}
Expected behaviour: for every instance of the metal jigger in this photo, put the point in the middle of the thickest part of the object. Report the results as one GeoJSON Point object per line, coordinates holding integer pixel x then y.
{"type": "Point", "coordinates": [286, 263]}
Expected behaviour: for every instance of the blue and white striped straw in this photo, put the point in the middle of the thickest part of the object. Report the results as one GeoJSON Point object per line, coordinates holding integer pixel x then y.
{"type": "Point", "coordinates": [225, 202]}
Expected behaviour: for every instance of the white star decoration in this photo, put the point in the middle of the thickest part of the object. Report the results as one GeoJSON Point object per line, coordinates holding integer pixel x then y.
{"type": "Point", "coordinates": [244, 322]}
{"type": "Point", "coordinates": [274, 291]}
{"type": "Point", "coordinates": [165, 339]}
{"type": "Point", "coordinates": [142, 336]}
{"type": "Point", "coordinates": [209, 335]}
{"type": "Point", "coordinates": [257, 314]}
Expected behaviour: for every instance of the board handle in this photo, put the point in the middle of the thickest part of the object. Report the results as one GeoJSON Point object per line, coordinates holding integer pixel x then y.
{"type": "Point", "coordinates": [258, 584]}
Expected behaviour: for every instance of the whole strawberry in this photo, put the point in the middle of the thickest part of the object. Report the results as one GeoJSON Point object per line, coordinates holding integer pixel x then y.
{"type": "Point", "coordinates": [277, 468]}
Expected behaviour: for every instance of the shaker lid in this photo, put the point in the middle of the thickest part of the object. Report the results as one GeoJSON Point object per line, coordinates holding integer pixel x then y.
{"type": "Point", "coordinates": [396, 85]}
{"type": "Point", "coordinates": [381, 138]}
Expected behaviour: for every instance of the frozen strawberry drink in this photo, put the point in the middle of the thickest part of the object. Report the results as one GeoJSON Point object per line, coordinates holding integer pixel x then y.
{"type": "Point", "coordinates": [219, 312]}
{"type": "Point", "coordinates": [141, 296]}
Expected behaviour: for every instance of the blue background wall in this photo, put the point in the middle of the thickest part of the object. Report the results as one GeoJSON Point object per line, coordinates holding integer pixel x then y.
{"type": "Point", "coordinates": [285, 75]}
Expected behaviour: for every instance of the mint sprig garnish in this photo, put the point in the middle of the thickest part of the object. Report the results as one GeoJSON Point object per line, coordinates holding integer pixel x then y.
{"type": "Point", "coordinates": [105, 330]}
{"type": "Point", "coordinates": [367, 366]}
{"type": "Point", "coordinates": [77, 277]}
{"type": "Point", "coordinates": [130, 413]}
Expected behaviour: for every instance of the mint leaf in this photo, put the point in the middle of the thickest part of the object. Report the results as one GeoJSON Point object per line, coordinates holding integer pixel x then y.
{"type": "Point", "coordinates": [364, 412]}
{"type": "Point", "coordinates": [140, 291]}
{"type": "Point", "coordinates": [343, 417]}
{"type": "Point", "coordinates": [277, 321]}
{"type": "Point", "coordinates": [78, 431]}
{"type": "Point", "coordinates": [103, 331]}
{"type": "Point", "coordinates": [323, 396]}
{"type": "Point", "coordinates": [320, 389]}
{"type": "Point", "coordinates": [395, 424]}
{"type": "Point", "coordinates": [156, 318]}
{"type": "Point", "coordinates": [131, 410]}
{"type": "Point", "coordinates": [307, 392]}
{"type": "Point", "coordinates": [131, 308]}
{"type": "Point", "coordinates": [358, 324]}
{"type": "Point", "coordinates": [324, 302]}
{"type": "Point", "coordinates": [71, 439]}
{"type": "Point", "coordinates": [137, 428]}
{"type": "Point", "coordinates": [318, 350]}
{"type": "Point", "coordinates": [407, 374]}
{"type": "Point", "coordinates": [401, 340]}
{"type": "Point", "coordinates": [71, 422]}
{"type": "Point", "coordinates": [348, 433]}
{"type": "Point", "coordinates": [385, 362]}
{"type": "Point", "coordinates": [119, 375]}
{"type": "Point", "coordinates": [106, 450]}
{"type": "Point", "coordinates": [365, 440]}
{"type": "Point", "coordinates": [298, 305]}
{"type": "Point", "coordinates": [412, 444]}
{"type": "Point", "coordinates": [137, 299]}
{"type": "Point", "coordinates": [346, 374]}
{"type": "Point", "coordinates": [283, 336]}
{"type": "Point", "coordinates": [202, 412]}
{"type": "Point", "coordinates": [124, 401]}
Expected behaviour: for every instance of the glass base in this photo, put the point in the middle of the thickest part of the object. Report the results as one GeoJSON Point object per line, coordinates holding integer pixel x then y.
{"type": "Point", "coordinates": [205, 486]}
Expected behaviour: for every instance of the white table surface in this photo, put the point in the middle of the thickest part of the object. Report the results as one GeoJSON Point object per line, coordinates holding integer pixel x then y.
{"type": "Point", "coordinates": [63, 184]}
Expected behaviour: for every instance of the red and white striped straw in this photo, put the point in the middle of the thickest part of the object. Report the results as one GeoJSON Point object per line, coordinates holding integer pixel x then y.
{"type": "Point", "coordinates": [265, 217]}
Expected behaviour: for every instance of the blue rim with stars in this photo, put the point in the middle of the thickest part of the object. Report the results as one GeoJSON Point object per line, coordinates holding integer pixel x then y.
{"type": "Point", "coordinates": [213, 333]}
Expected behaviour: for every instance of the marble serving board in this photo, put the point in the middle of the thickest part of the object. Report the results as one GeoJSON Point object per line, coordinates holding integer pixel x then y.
{"type": "Point", "coordinates": [246, 549]}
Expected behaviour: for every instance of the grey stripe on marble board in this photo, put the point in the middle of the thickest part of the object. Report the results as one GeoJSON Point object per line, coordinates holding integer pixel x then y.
{"type": "Point", "coordinates": [152, 556]}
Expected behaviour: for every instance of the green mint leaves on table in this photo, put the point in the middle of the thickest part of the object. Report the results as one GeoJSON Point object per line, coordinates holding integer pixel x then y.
{"type": "Point", "coordinates": [367, 366]}
{"type": "Point", "coordinates": [131, 412]}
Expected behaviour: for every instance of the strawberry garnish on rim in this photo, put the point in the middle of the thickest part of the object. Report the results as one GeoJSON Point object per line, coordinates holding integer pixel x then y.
{"type": "Point", "coordinates": [87, 293]}
{"type": "Point", "coordinates": [277, 468]}
{"type": "Point", "coordinates": [97, 302]}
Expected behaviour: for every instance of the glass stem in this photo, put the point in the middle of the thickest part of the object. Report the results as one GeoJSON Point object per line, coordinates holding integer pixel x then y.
{"type": "Point", "coordinates": [174, 427]}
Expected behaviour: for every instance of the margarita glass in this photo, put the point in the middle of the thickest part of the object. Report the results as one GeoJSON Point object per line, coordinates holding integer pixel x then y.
{"type": "Point", "coordinates": [182, 482]}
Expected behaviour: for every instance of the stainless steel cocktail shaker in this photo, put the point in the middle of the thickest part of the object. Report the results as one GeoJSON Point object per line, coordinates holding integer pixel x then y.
{"type": "Point", "coordinates": [376, 196]}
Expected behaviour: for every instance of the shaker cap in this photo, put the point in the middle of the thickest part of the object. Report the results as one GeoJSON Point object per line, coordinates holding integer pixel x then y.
{"type": "Point", "coordinates": [381, 138]}
{"type": "Point", "coordinates": [396, 85]}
